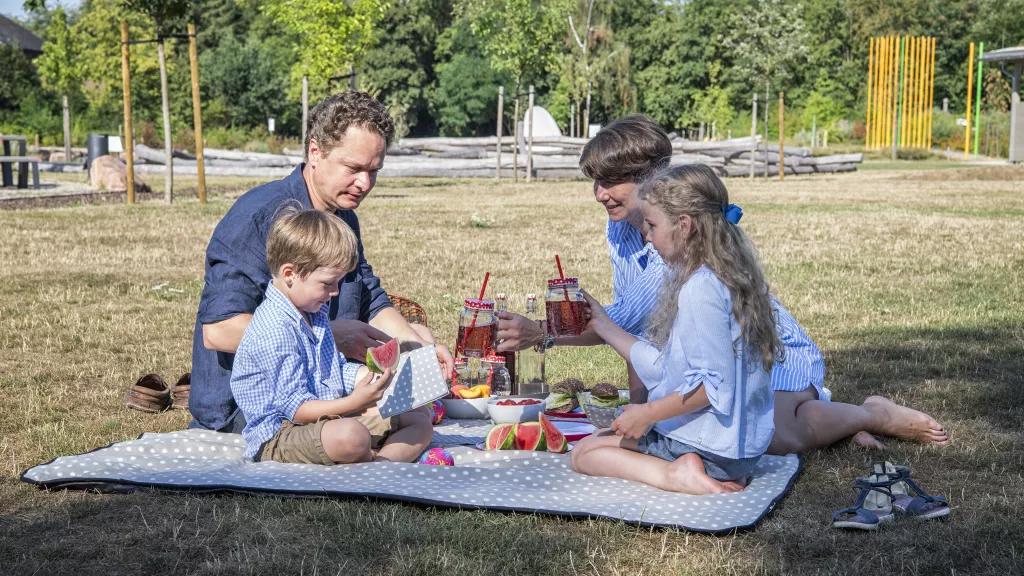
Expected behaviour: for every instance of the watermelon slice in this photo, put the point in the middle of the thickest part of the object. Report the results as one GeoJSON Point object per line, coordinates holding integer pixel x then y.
{"type": "Point", "coordinates": [530, 436]}
{"type": "Point", "coordinates": [384, 356]}
{"type": "Point", "coordinates": [555, 439]}
{"type": "Point", "coordinates": [501, 437]}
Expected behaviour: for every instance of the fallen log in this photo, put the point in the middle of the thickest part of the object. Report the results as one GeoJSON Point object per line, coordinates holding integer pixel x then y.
{"type": "Point", "coordinates": [790, 150]}
{"type": "Point", "coordinates": [835, 168]}
{"type": "Point", "coordinates": [834, 159]}
{"type": "Point", "coordinates": [734, 143]}
{"type": "Point", "coordinates": [264, 158]}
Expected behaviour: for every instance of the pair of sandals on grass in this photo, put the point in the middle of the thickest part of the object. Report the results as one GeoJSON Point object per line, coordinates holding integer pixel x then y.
{"type": "Point", "coordinates": [888, 490]}
{"type": "Point", "coordinates": [152, 394]}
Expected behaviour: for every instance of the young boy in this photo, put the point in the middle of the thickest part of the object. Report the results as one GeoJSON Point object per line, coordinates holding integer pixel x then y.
{"type": "Point", "coordinates": [302, 403]}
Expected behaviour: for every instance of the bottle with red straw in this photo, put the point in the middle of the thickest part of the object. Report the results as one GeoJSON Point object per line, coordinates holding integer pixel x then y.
{"type": "Point", "coordinates": [478, 326]}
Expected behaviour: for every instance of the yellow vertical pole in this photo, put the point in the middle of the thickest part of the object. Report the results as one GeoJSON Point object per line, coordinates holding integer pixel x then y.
{"type": "Point", "coordinates": [867, 119]}
{"type": "Point", "coordinates": [911, 75]}
{"type": "Point", "coordinates": [883, 95]}
{"type": "Point", "coordinates": [931, 94]}
{"type": "Point", "coordinates": [128, 142]}
{"type": "Point", "coordinates": [970, 85]}
{"type": "Point", "coordinates": [924, 91]}
{"type": "Point", "coordinates": [903, 93]}
{"type": "Point", "coordinates": [916, 92]}
{"type": "Point", "coordinates": [890, 101]}
{"type": "Point", "coordinates": [879, 89]}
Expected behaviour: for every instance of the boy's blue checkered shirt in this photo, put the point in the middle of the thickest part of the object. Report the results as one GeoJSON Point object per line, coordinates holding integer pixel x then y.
{"type": "Point", "coordinates": [281, 362]}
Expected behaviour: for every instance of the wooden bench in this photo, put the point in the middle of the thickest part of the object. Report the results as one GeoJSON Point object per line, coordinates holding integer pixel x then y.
{"type": "Point", "coordinates": [7, 163]}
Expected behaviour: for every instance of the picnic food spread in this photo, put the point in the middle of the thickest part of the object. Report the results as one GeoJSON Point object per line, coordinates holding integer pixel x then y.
{"type": "Point", "coordinates": [539, 436]}
{"type": "Point", "coordinates": [563, 396]}
{"type": "Point", "coordinates": [384, 356]}
{"type": "Point", "coordinates": [606, 395]}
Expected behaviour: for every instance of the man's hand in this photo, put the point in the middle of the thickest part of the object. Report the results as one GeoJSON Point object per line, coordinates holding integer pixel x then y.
{"type": "Point", "coordinates": [517, 332]}
{"type": "Point", "coordinates": [353, 338]}
{"type": "Point", "coordinates": [633, 422]}
{"type": "Point", "coordinates": [370, 389]}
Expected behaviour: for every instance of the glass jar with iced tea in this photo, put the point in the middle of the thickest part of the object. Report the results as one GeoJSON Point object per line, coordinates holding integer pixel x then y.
{"type": "Point", "coordinates": [478, 327]}
{"type": "Point", "coordinates": [494, 374]}
{"type": "Point", "coordinates": [565, 307]}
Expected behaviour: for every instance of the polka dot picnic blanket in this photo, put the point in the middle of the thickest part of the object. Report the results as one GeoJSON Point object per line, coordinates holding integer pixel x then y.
{"type": "Point", "coordinates": [520, 481]}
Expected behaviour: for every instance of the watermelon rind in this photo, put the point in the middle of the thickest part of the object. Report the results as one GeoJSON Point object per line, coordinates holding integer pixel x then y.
{"type": "Point", "coordinates": [501, 437]}
{"type": "Point", "coordinates": [556, 441]}
{"type": "Point", "coordinates": [377, 359]}
{"type": "Point", "coordinates": [530, 436]}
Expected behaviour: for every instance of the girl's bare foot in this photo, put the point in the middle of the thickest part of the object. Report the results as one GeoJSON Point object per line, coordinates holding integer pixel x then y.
{"type": "Point", "coordinates": [687, 475]}
{"type": "Point", "coordinates": [906, 423]}
{"type": "Point", "coordinates": [866, 440]}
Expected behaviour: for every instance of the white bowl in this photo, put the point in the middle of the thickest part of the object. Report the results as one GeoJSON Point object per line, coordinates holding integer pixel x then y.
{"type": "Point", "coordinates": [513, 414]}
{"type": "Point", "coordinates": [465, 408]}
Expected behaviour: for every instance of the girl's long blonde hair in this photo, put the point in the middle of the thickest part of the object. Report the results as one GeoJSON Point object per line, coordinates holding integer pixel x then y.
{"type": "Point", "coordinates": [696, 191]}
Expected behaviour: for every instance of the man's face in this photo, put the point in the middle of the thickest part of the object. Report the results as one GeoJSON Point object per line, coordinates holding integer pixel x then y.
{"type": "Point", "coordinates": [618, 199]}
{"type": "Point", "coordinates": [342, 179]}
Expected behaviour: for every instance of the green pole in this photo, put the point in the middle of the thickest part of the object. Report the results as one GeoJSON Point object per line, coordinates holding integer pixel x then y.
{"type": "Point", "coordinates": [977, 99]}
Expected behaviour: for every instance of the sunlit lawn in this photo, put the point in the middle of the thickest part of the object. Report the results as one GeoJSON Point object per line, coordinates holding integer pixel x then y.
{"type": "Point", "coordinates": [910, 282]}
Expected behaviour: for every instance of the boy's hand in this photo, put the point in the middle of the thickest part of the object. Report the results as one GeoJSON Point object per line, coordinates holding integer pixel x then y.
{"type": "Point", "coordinates": [369, 390]}
{"type": "Point", "coordinates": [633, 422]}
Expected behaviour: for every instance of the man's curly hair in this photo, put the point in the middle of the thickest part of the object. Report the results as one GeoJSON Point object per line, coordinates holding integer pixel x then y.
{"type": "Point", "coordinates": [329, 119]}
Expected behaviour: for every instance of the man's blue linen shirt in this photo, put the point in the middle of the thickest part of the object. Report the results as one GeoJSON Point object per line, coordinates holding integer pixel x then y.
{"type": "Point", "coordinates": [236, 281]}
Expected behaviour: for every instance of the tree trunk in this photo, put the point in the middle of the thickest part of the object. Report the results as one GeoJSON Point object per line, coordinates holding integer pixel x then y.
{"type": "Point", "coordinates": [168, 146]}
{"type": "Point", "coordinates": [67, 130]}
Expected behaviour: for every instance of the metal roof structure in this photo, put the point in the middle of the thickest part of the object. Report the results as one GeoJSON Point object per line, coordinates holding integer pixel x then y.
{"type": "Point", "coordinates": [1014, 56]}
{"type": "Point", "coordinates": [12, 33]}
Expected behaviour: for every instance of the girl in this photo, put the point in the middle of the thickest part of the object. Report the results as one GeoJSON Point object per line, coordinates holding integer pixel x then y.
{"type": "Point", "coordinates": [713, 344]}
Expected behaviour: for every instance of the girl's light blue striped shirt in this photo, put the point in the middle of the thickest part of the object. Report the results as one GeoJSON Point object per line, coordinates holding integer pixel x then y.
{"type": "Point", "coordinates": [706, 347]}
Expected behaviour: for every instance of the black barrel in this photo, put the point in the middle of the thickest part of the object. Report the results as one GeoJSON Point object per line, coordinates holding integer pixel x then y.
{"type": "Point", "coordinates": [98, 145]}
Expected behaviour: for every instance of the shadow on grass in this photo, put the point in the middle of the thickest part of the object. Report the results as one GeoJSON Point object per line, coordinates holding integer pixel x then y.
{"type": "Point", "coordinates": [964, 373]}
{"type": "Point", "coordinates": [186, 534]}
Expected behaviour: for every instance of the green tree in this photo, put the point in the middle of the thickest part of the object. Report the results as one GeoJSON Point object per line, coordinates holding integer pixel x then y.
{"type": "Point", "coordinates": [59, 69]}
{"type": "Point", "coordinates": [465, 102]}
{"type": "Point", "coordinates": [332, 35]}
{"type": "Point", "coordinates": [711, 105]}
{"type": "Point", "coordinates": [770, 40]}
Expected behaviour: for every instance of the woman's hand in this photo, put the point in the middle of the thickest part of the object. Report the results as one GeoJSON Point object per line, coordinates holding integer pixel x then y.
{"type": "Point", "coordinates": [633, 422]}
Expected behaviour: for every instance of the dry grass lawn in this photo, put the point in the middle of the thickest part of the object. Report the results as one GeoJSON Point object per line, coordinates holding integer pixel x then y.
{"type": "Point", "coordinates": [910, 283]}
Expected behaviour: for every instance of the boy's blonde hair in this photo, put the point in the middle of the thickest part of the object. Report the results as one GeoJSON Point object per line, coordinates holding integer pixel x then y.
{"type": "Point", "coordinates": [695, 190]}
{"type": "Point", "coordinates": [310, 239]}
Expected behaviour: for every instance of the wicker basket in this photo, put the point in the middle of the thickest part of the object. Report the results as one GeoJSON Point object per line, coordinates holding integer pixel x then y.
{"type": "Point", "coordinates": [411, 311]}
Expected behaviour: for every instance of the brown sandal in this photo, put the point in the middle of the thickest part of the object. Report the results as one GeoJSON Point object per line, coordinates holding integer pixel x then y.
{"type": "Point", "coordinates": [179, 392]}
{"type": "Point", "coordinates": [149, 394]}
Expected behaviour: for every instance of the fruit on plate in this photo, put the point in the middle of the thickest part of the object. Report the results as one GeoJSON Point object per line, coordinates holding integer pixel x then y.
{"type": "Point", "coordinates": [512, 402]}
{"type": "Point", "coordinates": [384, 356]}
{"type": "Point", "coordinates": [469, 393]}
{"type": "Point", "coordinates": [554, 439]}
{"type": "Point", "coordinates": [501, 437]}
{"type": "Point", "coordinates": [606, 395]}
{"type": "Point", "coordinates": [457, 390]}
{"type": "Point", "coordinates": [563, 396]}
{"type": "Point", "coordinates": [530, 436]}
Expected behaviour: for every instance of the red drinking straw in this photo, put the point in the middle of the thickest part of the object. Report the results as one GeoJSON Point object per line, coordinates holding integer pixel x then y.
{"type": "Point", "coordinates": [565, 290]}
{"type": "Point", "coordinates": [483, 289]}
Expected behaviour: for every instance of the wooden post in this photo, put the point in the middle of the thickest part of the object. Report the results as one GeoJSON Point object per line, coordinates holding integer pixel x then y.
{"type": "Point", "coordinates": [37, 143]}
{"type": "Point", "coordinates": [515, 137]}
{"type": "Point", "coordinates": [867, 121]}
{"type": "Point", "coordinates": [129, 140]}
{"type": "Point", "coordinates": [970, 85]}
{"type": "Point", "coordinates": [305, 110]}
{"type": "Point", "coordinates": [814, 131]}
{"type": "Point", "coordinates": [529, 140]}
{"type": "Point", "coordinates": [585, 128]}
{"type": "Point", "coordinates": [197, 114]}
{"type": "Point", "coordinates": [753, 133]}
{"type": "Point", "coordinates": [501, 117]}
{"type": "Point", "coordinates": [352, 78]}
{"type": "Point", "coordinates": [782, 138]}
{"type": "Point", "coordinates": [767, 88]}
{"type": "Point", "coordinates": [977, 97]}
{"type": "Point", "coordinates": [67, 130]}
{"type": "Point", "coordinates": [168, 145]}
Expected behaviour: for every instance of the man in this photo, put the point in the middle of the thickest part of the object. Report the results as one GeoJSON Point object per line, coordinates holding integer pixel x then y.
{"type": "Point", "coordinates": [347, 137]}
{"type": "Point", "coordinates": [618, 159]}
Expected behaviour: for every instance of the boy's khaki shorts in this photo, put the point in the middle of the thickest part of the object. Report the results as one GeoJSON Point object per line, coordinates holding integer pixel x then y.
{"type": "Point", "coordinates": [300, 443]}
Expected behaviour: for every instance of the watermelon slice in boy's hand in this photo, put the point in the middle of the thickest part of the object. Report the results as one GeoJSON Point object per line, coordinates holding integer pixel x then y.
{"type": "Point", "coordinates": [384, 356]}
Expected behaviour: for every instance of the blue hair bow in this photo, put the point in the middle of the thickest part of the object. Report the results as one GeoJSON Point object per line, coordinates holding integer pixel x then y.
{"type": "Point", "coordinates": [733, 213]}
